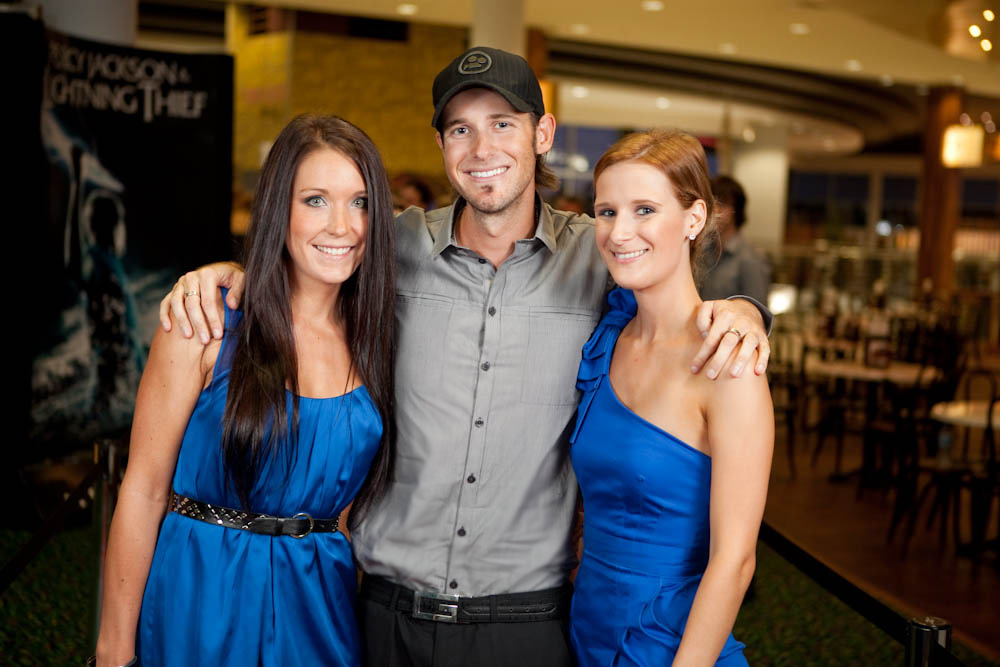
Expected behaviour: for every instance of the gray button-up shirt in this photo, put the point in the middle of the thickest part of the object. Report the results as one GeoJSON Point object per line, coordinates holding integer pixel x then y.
{"type": "Point", "coordinates": [483, 493]}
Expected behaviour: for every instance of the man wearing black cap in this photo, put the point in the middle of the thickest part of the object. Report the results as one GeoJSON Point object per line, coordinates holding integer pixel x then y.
{"type": "Point", "coordinates": [467, 558]}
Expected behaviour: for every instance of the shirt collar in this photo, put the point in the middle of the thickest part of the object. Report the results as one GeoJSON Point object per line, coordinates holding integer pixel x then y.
{"type": "Point", "coordinates": [544, 227]}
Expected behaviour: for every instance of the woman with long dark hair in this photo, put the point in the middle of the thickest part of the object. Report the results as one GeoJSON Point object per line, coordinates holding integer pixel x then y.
{"type": "Point", "coordinates": [673, 467]}
{"type": "Point", "coordinates": [249, 449]}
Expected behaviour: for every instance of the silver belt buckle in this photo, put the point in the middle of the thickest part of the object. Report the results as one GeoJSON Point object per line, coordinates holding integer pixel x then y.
{"type": "Point", "coordinates": [445, 607]}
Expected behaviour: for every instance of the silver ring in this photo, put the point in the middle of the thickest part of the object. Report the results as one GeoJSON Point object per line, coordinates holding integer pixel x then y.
{"type": "Point", "coordinates": [193, 292]}
{"type": "Point", "coordinates": [735, 331]}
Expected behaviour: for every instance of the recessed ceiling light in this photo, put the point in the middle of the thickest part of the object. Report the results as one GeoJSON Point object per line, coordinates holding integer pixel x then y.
{"type": "Point", "coordinates": [986, 45]}
{"type": "Point", "coordinates": [988, 14]}
{"type": "Point", "coordinates": [727, 47]}
{"type": "Point", "coordinates": [579, 28]}
{"type": "Point", "coordinates": [662, 103]}
{"type": "Point", "coordinates": [652, 5]}
{"type": "Point", "coordinates": [579, 91]}
{"type": "Point", "coordinates": [406, 9]}
{"type": "Point", "coordinates": [799, 28]}
{"type": "Point", "coordinates": [886, 80]}
{"type": "Point", "coordinates": [975, 30]}
{"type": "Point", "coordinates": [853, 65]}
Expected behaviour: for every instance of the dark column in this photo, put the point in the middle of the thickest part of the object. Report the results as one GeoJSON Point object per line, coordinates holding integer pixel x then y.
{"type": "Point", "coordinates": [940, 192]}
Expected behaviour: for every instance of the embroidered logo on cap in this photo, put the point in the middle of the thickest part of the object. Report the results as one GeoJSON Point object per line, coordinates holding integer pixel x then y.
{"type": "Point", "coordinates": [476, 62]}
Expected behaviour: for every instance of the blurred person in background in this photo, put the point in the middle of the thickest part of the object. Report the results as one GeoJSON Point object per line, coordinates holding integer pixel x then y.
{"type": "Point", "coordinates": [741, 269]}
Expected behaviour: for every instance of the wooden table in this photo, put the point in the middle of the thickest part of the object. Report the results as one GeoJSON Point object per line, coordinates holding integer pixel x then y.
{"type": "Point", "coordinates": [898, 373]}
{"type": "Point", "coordinates": [966, 413]}
{"type": "Point", "coordinates": [972, 414]}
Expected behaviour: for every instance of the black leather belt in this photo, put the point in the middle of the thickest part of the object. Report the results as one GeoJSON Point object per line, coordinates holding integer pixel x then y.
{"type": "Point", "coordinates": [299, 525]}
{"type": "Point", "coordinates": [546, 605]}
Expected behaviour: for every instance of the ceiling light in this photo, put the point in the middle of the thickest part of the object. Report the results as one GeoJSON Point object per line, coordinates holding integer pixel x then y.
{"type": "Point", "coordinates": [406, 9]}
{"type": "Point", "coordinates": [975, 30]}
{"type": "Point", "coordinates": [986, 116]}
{"type": "Point", "coordinates": [662, 103]}
{"type": "Point", "coordinates": [579, 28]}
{"type": "Point", "coordinates": [886, 80]}
{"type": "Point", "coordinates": [965, 119]}
{"type": "Point", "coordinates": [988, 14]}
{"type": "Point", "coordinates": [990, 126]}
{"type": "Point", "coordinates": [727, 47]}
{"type": "Point", "coordinates": [652, 5]}
{"type": "Point", "coordinates": [853, 65]}
{"type": "Point", "coordinates": [749, 135]}
{"type": "Point", "coordinates": [579, 91]}
{"type": "Point", "coordinates": [986, 45]}
{"type": "Point", "coordinates": [799, 28]}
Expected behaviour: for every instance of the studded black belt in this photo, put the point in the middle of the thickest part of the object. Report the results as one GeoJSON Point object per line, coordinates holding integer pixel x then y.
{"type": "Point", "coordinates": [546, 605]}
{"type": "Point", "coordinates": [299, 525]}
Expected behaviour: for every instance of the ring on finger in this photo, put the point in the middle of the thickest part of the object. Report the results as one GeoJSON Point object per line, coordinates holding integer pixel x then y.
{"type": "Point", "coordinates": [193, 292]}
{"type": "Point", "coordinates": [734, 330]}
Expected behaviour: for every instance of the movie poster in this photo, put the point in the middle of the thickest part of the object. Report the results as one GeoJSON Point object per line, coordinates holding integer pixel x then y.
{"type": "Point", "coordinates": [138, 170]}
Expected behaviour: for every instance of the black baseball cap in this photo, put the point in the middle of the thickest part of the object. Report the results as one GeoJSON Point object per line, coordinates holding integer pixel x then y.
{"type": "Point", "coordinates": [483, 67]}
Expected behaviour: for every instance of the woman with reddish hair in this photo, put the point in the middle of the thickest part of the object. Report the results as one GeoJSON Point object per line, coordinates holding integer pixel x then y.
{"type": "Point", "coordinates": [673, 467]}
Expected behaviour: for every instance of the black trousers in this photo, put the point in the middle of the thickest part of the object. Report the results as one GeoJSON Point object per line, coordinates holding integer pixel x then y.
{"type": "Point", "coordinates": [396, 639]}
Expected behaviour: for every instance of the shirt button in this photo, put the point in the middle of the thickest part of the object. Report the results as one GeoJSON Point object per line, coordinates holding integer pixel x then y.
{"type": "Point", "coordinates": [485, 366]}
{"type": "Point", "coordinates": [453, 585]}
{"type": "Point", "coordinates": [492, 311]}
{"type": "Point", "coordinates": [480, 422]}
{"type": "Point", "coordinates": [481, 261]}
{"type": "Point", "coordinates": [461, 532]}
{"type": "Point", "coordinates": [471, 479]}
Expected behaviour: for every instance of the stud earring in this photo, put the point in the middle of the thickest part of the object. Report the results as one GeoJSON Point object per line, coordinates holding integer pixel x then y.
{"type": "Point", "coordinates": [692, 237]}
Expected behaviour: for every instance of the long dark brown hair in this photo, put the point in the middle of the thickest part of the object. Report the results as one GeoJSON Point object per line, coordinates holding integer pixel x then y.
{"type": "Point", "coordinates": [256, 422]}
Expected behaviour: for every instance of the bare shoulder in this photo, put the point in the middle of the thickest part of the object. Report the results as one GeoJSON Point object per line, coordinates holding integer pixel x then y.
{"type": "Point", "coordinates": [173, 354]}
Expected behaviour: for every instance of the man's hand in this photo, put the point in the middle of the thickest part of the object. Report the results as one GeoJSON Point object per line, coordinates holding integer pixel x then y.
{"type": "Point", "coordinates": [194, 300]}
{"type": "Point", "coordinates": [726, 325]}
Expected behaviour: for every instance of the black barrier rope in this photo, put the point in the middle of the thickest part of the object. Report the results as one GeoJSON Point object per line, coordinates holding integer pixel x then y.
{"type": "Point", "coordinates": [27, 553]}
{"type": "Point", "coordinates": [877, 612]}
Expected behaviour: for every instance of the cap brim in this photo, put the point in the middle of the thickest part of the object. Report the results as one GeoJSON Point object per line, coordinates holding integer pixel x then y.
{"type": "Point", "coordinates": [514, 100]}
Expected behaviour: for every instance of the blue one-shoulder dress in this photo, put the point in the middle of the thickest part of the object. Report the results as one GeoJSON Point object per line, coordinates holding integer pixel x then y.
{"type": "Point", "coordinates": [646, 521]}
{"type": "Point", "coordinates": [224, 596]}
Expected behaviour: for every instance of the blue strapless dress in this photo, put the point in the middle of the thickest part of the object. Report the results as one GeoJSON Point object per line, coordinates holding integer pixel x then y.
{"type": "Point", "coordinates": [646, 521]}
{"type": "Point", "coordinates": [223, 596]}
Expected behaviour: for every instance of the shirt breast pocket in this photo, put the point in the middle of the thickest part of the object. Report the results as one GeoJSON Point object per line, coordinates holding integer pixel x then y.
{"type": "Point", "coordinates": [422, 326]}
{"type": "Point", "coordinates": [552, 359]}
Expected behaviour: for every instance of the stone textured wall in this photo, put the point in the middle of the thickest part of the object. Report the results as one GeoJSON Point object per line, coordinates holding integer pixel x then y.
{"type": "Point", "coordinates": [383, 87]}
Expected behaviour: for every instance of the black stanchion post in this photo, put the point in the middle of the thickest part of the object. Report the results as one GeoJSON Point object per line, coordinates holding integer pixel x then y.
{"type": "Point", "coordinates": [922, 634]}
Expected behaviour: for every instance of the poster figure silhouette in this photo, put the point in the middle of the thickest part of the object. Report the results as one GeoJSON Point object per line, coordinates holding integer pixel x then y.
{"type": "Point", "coordinates": [138, 155]}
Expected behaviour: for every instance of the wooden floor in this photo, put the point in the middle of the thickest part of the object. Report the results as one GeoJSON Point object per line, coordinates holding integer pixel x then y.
{"type": "Point", "coordinates": [849, 535]}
